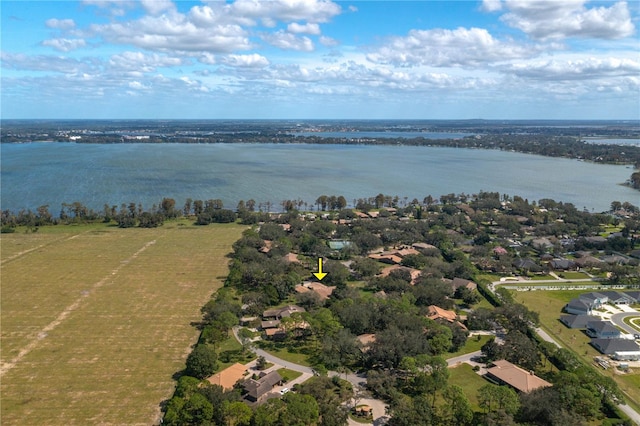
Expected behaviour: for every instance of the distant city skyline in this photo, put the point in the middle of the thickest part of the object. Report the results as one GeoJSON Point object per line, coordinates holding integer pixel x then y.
{"type": "Point", "coordinates": [318, 59]}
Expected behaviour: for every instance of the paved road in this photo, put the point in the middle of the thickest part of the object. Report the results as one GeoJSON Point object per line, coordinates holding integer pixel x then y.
{"type": "Point", "coordinates": [464, 358]}
{"type": "Point", "coordinates": [618, 319]}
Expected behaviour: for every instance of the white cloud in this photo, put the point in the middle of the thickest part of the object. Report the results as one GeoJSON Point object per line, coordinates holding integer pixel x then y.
{"type": "Point", "coordinates": [136, 85]}
{"type": "Point", "coordinates": [440, 47]}
{"type": "Point", "coordinates": [114, 7]}
{"type": "Point", "coordinates": [20, 61]}
{"type": "Point", "coordinates": [328, 41]}
{"type": "Point", "coordinates": [575, 69]}
{"type": "Point", "coordinates": [491, 5]}
{"type": "Point", "coordinates": [288, 41]}
{"type": "Point", "coordinates": [252, 61]}
{"type": "Point", "coordinates": [60, 24]}
{"type": "Point", "coordinates": [65, 44]}
{"type": "Point", "coordinates": [155, 7]}
{"type": "Point", "coordinates": [207, 58]}
{"type": "Point", "coordinates": [544, 19]}
{"type": "Point", "coordinates": [138, 61]}
{"type": "Point", "coordinates": [308, 28]}
{"type": "Point", "coordinates": [315, 11]}
{"type": "Point", "coordinates": [173, 31]}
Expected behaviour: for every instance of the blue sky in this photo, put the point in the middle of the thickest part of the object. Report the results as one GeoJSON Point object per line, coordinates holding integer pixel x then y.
{"type": "Point", "coordinates": [490, 59]}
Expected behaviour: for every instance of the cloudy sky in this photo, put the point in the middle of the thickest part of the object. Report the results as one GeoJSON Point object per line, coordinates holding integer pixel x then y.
{"type": "Point", "coordinates": [492, 59]}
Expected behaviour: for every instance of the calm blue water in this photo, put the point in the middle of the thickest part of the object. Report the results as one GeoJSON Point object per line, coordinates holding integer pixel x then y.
{"type": "Point", "coordinates": [372, 135]}
{"type": "Point", "coordinates": [52, 173]}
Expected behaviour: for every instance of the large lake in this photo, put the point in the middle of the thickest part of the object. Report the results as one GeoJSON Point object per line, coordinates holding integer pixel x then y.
{"type": "Point", "coordinates": [36, 174]}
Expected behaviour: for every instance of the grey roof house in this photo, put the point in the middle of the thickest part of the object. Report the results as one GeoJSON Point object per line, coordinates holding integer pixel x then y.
{"type": "Point", "coordinates": [577, 321]}
{"type": "Point", "coordinates": [611, 346]}
{"type": "Point", "coordinates": [602, 330]}
{"type": "Point", "coordinates": [258, 388]}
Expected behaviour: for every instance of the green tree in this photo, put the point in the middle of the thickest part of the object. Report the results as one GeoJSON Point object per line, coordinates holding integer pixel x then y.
{"type": "Point", "coordinates": [302, 410]}
{"type": "Point", "coordinates": [196, 411]}
{"type": "Point", "coordinates": [493, 398]}
{"type": "Point", "coordinates": [202, 362]}
{"type": "Point", "coordinates": [236, 413]}
{"type": "Point", "coordinates": [457, 410]}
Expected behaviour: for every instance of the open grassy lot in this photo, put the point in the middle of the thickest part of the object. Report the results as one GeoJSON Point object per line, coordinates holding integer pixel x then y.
{"type": "Point", "coordinates": [96, 319]}
{"type": "Point", "coordinates": [549, 305]}
{"type": "Point", "coordinates": [469, 381]}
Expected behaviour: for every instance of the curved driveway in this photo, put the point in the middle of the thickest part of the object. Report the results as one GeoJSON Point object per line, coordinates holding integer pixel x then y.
{"type": "Point", "coordinates": [618, 319]}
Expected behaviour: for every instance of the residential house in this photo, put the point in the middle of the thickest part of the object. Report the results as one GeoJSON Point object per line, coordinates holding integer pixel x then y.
{"type": "Point", "coordinates": [562, 264]}
{"type": "Point", "coordinates": [577, 321]}
{"type": "Point", "coordinates": [542, 244]}
{"type": "Point", "coordinates": [366, 340]}
{"type": "Point", "coordinates": [266, 248]}
{"type": "Point", "coordinates": [291, 258]}
{"type": "Point", "coordinates": [602, 330]}
{"type": "Point", "coordinates": [587, 261]}
{"type": "Point", "coordinates": [596, 242]}
{"type": "Point", "coordinates": [393, 256]}
{"type": "Point", "coordinates": [414, 273]}
{"type": "Point", "coordinates": [323, 291]}
{"type": "Point", "coordinates": [619, 298]}
{"type": "Point", "coordinates": [615, 259]}
{"type": "Point", "coordinates": [279, 313]}
{"type": "Point", "coordinates": [271, 320]}
{"type": "Point", "coordinates": [579, 306]}
{"type": "Point", "coordinates": [504, 372]}
{"type": "Point", "coordinates": [437, 313]}
{"type": "Point", "coordinates": [228, 377]}
{"type": "Point", "coordinates": [595, 298]}
{"type": "Point", "coordinates": [258, 388]}
{"type": "Point", "coordinates": [456, 283]}
{"type": "Point", "coordinates": [423, 246]}
{"type": "Point", "coordinates": [611, 346]}
{"type": "Point", "coordinates": [527, 265]}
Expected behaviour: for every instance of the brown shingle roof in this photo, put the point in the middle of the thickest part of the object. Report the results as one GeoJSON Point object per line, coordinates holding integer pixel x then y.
{"type": "Point", "coordinates": [257, 388]}
{"type": "Point", "coordinates": [516, 377]}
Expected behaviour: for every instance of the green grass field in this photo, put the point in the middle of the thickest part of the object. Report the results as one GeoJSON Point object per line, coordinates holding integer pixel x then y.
{"type": "Point", "coordinates": [473, 343]}
{"type": "Point", "coordinates": [97, 319]}
{"type": "Point", "coordinates": [469, 381]}
{"type": "Point", "coordinates": [549, 305]}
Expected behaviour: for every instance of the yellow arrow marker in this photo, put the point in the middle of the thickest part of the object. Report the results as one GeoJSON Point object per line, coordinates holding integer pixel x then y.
{"type": "Point", "coordinates": [320, 275]}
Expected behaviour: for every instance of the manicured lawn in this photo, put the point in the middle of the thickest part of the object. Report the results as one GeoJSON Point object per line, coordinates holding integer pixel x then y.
{"type": "Point", "coordinates": [633, 322]}
{"type": "Point", "coordinates": [288, 375]}
{"type": "Point", "coordinates": [97, 319]}
{"type": "Point", "coordinates": [469, 381]}
{"type": "Point", "coordinates": [281, 351]}
{"type": "Point", "coordinates": [542, 277]}
{"type": "Point", "coordinates": [572, 275]}
{"type": "Point", "coordinates": [488, 277]}
{"type": "Point", "coordinates": [472, 345]}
